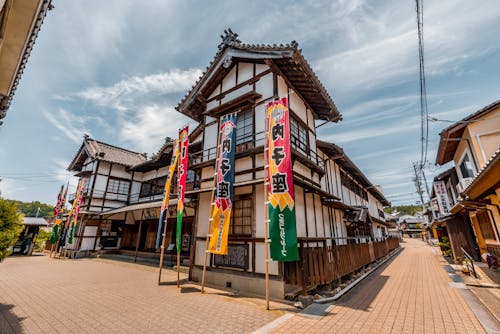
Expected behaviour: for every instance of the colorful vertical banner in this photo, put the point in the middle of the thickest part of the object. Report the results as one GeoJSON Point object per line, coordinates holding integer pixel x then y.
{"type": "Point", "coordinates": [78, 199]}
{"type": "Point", "coordinates": [70, 216]}
{"type": "Point", "coordinates": [166, 193]}
{"type": "Point", "coordinates": [181, 181]}
{"type": "Point", "coordinates": [224, 182]}
{"type": "Point", "coordinates": [58, 209]}
{"type": "Point", "coordinates": [281, 207]}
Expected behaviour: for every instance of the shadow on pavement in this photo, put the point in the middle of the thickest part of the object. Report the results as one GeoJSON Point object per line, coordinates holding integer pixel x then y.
{"type": "Point", "coordinates": [10, 322]}
{"type": "Point", "coordinates": [362, 295]}
{"type": "Point", "coordinates": [189, 289]}
{"type": "Point", "coordinates": [170, 283]}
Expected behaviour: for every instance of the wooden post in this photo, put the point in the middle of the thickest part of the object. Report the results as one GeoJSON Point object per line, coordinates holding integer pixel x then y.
{"type": "Point", "coordinates": [266, 210]}
{"type": "Point", "coordinates": [162, 248]}
{"type": "Point", "coordinates": [139, 237]}
{"type": "Point", "coordinates": [209, 231]}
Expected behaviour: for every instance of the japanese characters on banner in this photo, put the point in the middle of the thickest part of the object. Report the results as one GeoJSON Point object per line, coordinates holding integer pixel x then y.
{"type": "Point", "coordinates": [442, 197]}
{"type": "Point", "coordinates": [181, 181]}
{"type": "Point", "coordinates": [166, 193]}
{"type": "Point", "coordinates": [224, 181]}
{"type": "Point", "coordinates": [58, 213]}
{"type": "Point", "coordinates": [281, 207]}
{"type": "Point", "coordinates": [78, 199]}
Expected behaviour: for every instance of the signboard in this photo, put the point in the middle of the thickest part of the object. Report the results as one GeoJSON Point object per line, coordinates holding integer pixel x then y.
{"type": "Point", "coordinates": [442, 197]}
{"type": "Point", "coordinates": [281, 207]}
{"type": "Point", "coordinates": [237, 257]}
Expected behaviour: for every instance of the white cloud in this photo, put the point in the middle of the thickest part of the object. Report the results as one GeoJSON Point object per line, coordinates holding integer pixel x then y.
{"type": "Point", "coordinates": [125, 93]}
{"type": "Point", "coordinates": [68, 124]}
{"type": "Point", "coordinates": [9, 188]}
{"type": "Point", "coordinates": [148, 129]}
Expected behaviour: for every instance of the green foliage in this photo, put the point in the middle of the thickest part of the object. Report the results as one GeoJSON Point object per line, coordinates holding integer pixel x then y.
{"type": "Point", "coordinates": [10, 226]}
{"type": "Point", "coordinates": [404, 209]}
{"type": "Point", "coordinates": [41, 240]}
{"type": "Point", "coordinates": [29, 209]}
{"type": "Point", "coordinates": [445, 246]}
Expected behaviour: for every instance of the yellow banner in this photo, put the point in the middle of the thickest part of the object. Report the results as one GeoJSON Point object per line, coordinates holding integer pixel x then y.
{"type": "Point", "coordinates": [220, 231]}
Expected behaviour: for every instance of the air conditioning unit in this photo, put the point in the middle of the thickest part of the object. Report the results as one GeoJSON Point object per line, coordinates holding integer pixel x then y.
{"type": "Point", "coordinates": [463, 184]}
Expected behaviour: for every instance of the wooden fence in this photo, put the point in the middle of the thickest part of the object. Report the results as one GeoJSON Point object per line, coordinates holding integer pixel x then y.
{"type": "Point", "coordinates": [322, 264]}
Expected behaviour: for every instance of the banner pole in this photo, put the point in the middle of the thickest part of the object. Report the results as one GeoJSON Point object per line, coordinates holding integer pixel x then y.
{"type": "Point", "coordinates": [209, 231]}
{"type": "Point", "coordinates": [266, 209]}
{"type": "Point", "coordinates": [179, 148]}
{"type": "Point", "coordinates": [162, 249]}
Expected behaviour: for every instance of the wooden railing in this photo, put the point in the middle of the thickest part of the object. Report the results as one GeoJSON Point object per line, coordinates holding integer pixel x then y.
{"type": "Point", "coordinates": [322, 264]}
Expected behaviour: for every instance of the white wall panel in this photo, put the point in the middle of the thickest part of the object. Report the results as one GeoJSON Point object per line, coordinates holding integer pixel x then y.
{"type": "Point", "coordinates": [300, 211]}
{"type": "Point", "coordinates": [203, 214]}
{"type": "Point", "coordinates": [230, 80]}
{"type": "Point", "coordinates": [265, 86]}
{"type": "Point", "coordinates": [245, 72]}
{"type": "Point", "coordinates": [210, 136]}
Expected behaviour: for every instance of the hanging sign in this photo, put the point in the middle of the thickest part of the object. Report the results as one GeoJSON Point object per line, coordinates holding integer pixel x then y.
{"type": "Point", "coordinates": [442, 197]}
{"type": "Point", "coordinates": [221, 214]}
{"type": "Point", "coordinates": [281, 207]}
{"type": "Point", "coordinates": [181, 181]}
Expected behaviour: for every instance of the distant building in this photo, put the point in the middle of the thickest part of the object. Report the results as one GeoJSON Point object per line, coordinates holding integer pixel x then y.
{"type": "Point", "coordinates": [20, 22]}
{"type": "Point", "coordinates": [26, 241]}
{"type": "Point", "coordinates": [467, 194]}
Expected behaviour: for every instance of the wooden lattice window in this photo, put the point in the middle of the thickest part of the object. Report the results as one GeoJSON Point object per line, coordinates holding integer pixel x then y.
{"type": "Point", "coordinates": [241, 224]}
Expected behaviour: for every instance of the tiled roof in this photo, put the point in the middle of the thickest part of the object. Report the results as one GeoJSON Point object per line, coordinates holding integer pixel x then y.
{"type": "Point", "coordinates": [35, 221]}
{"type": "Point", "coordinates": [451, 135]}
{"type": "Point", "coordinates": [287, 58]}
{"type": "Point", "coordinates": [337, 153]}
{"type": "Point", "coordinates": [105, 152]}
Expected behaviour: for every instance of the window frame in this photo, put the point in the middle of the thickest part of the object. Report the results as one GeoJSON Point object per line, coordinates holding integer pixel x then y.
{"type": "Point", "coordinates": [247, 198]}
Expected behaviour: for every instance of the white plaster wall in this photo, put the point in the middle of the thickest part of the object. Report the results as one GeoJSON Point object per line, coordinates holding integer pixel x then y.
{"type": "Point", "coordinates": [200, 252]}
{"type": "Point", "coordinates": [100, 185]}
{"type": "Point", "coordinates": [260, 124]}
{"type": "Point", "coordinates": [230, 80]}
{"type": "Point", "coordinates": [210, 136]}
{"type": "Point", "coordinates": [298, 106]}
{"type": "Point", "coordinates": [265, 86]}
{"type": "Point", "coordinates": [260, 264]}
{"type": "Point", "coordinates": [204, 206]}
{"type": "Point", "coordinates": [245, 72]}
{"type": "Point", "coordinates": [311, 224]}
{"type": "Point", "coordinates": [300, 211]}
{"type": "Point", "coordinates": [259, 214]}
{"type": "Point", "coordinates": [282, 87]}
{"type": "Point", "coordinates": [120, 171]}
{"type": "Point", "coordinates": [320, 220]}
{"type": "Point", "coordinates": [236, 93]}
{"type": "Point", "coordinates": [259, 68]}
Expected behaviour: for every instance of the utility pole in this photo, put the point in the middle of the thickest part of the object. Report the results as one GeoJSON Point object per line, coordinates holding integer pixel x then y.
{"type": "Point", "coordinates": [418, 183]}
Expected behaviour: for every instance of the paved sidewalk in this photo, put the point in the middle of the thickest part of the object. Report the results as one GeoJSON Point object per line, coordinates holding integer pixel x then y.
{"type": "Point", "coordinates": [411, 294]}
{"type": "Point", "coordinates": [43, 295]}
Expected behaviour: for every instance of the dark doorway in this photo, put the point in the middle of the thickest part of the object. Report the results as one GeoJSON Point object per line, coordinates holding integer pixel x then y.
{"type": "Point", "coordinates": [144, 235]}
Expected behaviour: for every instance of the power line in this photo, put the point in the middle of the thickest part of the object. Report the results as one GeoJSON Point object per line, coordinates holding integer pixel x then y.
{"type": "Point", "coordinates": [424, 115]}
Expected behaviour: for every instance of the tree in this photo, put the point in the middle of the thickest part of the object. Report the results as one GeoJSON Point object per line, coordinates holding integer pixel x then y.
{"type": "Point", "coordinates": [30, 209]}
{"type": "Point", "coordinates": [11, 225]}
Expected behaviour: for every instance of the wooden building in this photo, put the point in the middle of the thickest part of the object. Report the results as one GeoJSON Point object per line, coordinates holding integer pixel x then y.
{"type": "Point", "coordinates": [340, 222]}
{"type": "Point", "coordinates": [335, 202]}
{"type": "Point", "coordinates": [468, 201]}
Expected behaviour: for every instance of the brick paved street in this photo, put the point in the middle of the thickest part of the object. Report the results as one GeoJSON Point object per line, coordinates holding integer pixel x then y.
{"type": "Point", "coordinates": [42, 295]}
{"type": "Point", "coordinates": [410, 295]}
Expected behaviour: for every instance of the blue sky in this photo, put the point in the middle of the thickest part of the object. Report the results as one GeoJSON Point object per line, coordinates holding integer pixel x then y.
{"type": "Point", "coordinates": [116, 69]}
